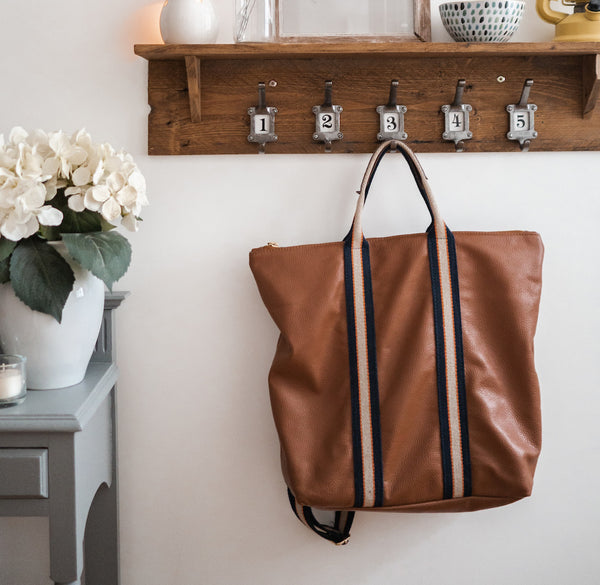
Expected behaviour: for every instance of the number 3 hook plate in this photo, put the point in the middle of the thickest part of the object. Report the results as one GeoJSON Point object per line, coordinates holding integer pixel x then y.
{"type": "Point", "coordinates": [391, 117]}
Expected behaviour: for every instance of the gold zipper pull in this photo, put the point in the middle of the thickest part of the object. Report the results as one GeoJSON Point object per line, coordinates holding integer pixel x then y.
{"type": "Point", "coordinates": [273, 244]}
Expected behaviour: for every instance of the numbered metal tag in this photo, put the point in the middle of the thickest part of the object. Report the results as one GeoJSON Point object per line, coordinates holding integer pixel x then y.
{"type": "Point", "coordinates": [262, 121]}
{"type": "Point", "coordinates": [456, 121]}
{"type": "Point", "coordinates": [391, 117]}
{"type": "Point", "coordinates": [521, 119]}
{"type": "Point", "coordinates": [327, 120]}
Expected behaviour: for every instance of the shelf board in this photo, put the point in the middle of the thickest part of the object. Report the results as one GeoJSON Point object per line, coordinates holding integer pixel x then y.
{"type": "Point", "coordinates": [199, 94]}
{"type": "Point", "coordinates": [355, 48]}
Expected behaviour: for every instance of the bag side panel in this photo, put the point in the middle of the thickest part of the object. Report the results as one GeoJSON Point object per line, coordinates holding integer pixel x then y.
{"type": "Point", "coordinates": [500, 286]}
{"type": "Point", "coordinates": [309, 382]}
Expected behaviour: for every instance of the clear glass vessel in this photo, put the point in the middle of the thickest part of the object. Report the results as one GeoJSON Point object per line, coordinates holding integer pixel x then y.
{"type": "Point", "coordinates": [13, 387]}
{"type": "Point", "coordinates": [254, 21]}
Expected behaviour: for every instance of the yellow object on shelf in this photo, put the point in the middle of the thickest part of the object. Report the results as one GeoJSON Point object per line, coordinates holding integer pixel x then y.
{"type": "Point", "coordinates": [582, 25]}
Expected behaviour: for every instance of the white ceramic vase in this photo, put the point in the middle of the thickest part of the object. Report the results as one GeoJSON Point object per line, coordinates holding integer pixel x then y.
{"type": "Point", "coordinates": [57, 354]}
{"type": "Point", "coordinates": [188, 22]}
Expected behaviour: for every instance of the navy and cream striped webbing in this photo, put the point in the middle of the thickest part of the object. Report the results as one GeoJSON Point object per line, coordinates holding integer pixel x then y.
{"type": "Point", "coordinates": [452, 406]}
{"type": "Point", "coordinates": [364, 391]}
{"type": "Point", "coordinates": [456, 469]}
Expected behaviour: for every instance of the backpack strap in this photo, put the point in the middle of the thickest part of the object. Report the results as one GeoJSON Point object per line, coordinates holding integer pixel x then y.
{"type": "Point", "coordinates": [338, 533]}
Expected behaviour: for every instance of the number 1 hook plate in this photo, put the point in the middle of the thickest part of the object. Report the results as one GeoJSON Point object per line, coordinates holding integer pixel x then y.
{"type": "Point", "coordinates": [262, 121]}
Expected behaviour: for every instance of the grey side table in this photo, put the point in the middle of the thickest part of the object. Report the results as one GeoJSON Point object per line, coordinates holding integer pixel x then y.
{"type": "Point", "coordinates": [58, 459]}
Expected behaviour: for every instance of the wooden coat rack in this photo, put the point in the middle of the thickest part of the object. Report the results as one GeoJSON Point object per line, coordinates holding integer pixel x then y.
{"type": "Point", "coordinates": [200, 94]}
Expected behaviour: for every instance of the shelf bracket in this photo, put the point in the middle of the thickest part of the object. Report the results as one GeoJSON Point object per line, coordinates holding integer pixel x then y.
{"type": "Point", "coordinates": [192, 65]}
{"type": "Point", "coordinates": [591, 83]}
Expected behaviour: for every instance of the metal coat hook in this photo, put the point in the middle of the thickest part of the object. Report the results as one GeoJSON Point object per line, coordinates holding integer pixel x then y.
{"type": "Point", "coordinates": [262, 121]}
{"type": "Point", "coordinates": [391, 117]}
{"type": "Point", "coordinates": [521, 119]}
{"type": "Point", "coordinates": [456, 119]}
{"type": "Point", "coordinates": [327, 119]}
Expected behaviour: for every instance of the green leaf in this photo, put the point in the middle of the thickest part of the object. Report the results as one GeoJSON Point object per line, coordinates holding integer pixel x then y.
{"type": "Point", "coordinates": [105, 254]}
{"type": "Point", "coordinates": [49, 232]}
{"type": "Point", "coordinates": [4, 270]}
{"type": "Point", "coordinates": [41, 277]}
{"type": "Point", "coordinates": [6, 248]}
{"type": "Point", "coordinates": [75, 221]}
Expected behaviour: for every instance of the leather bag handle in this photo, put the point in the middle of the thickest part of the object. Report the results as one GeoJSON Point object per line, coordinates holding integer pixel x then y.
{"type": "Point", "coordinates": [356, 233]}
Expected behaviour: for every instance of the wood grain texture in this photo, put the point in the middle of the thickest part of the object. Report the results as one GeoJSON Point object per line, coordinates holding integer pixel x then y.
{"type": "Point", "coordinates": [352, 49]}
{"type": "Point", "coordinates": [360, 83]}
{"type": "Point", "coordinates": [591, 83]}
{"type": "Point", "coordinates": [192, 65]}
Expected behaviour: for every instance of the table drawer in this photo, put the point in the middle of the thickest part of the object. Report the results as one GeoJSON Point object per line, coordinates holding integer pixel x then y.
{"type": "Point", "coordinates": [23, 473]}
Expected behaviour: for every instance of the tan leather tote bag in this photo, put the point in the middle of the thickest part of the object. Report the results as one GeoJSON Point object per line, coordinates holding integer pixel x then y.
{"type": "Point", "coordinates": [404, 375]}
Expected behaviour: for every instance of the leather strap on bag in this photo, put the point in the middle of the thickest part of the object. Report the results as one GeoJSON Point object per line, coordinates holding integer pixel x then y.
{"type": "Point", "coordinates": [364, 391]}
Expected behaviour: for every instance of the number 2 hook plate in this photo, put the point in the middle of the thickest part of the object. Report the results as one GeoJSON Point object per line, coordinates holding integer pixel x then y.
{"type": "Point", "coordinates": [327, 120]}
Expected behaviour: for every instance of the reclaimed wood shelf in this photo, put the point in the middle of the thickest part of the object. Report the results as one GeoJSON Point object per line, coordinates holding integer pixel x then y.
{"type": "Point", "coordinates": [199, 94]}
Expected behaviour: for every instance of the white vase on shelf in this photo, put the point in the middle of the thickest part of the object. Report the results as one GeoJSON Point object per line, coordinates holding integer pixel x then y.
{"type": "Point", "coordinates": [189, 22]}
{"type": "Point", "coordinates": [57, 353]}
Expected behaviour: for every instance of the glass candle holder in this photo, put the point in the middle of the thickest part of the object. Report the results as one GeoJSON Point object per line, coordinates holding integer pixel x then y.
{"type": "Point", "coordinates": [13, 387]}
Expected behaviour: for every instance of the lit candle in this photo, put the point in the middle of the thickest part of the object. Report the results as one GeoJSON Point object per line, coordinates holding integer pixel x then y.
{"type": "Point", "coordinates": [11, 382]}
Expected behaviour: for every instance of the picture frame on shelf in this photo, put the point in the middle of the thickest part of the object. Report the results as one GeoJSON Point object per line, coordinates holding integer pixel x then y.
{"type": "Point", "coordinates": [347, 20]}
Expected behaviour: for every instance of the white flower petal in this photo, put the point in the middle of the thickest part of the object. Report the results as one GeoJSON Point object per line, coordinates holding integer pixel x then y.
{"type": "Point", "coordinates": [51, 190]}
{"type": "Point", "coordinates": [73, 191]}
{"type": "Point", "coordinates": [76, 156]}
{"type": "Point", "coordinates": [81, 176]}
{"type": "Point", "coordinates": [50, 166]}
{"type": "Point", "coordinates": [34, 197]}
{"type": "Point", "coordinates": [112, 164]}
{"type": "Point", "coordinates": [58, 141]}
{"type": "Point", "coordinates": [76, 203]}
{"type": "Point", "coordinates": [130, 222]}
{"type": "Point", "coordinates": [17, 134]}
{"type": "Point", "coordinates": [13, 228]}
{"type": "Point", "coordinates": [97, 176]}
{"type": "Point", "coordinates": [49, 215]}
{"type": "Point", "coordinates": [100, 193]}
{"type": "Point", "coordinates": [91, 203]}
{"type": "Point", "coordinates": [111, 210]}
{"type": "Point", "coordinates": [127, 196]}
{"type": "Point", "coordinates": [115, 181]}
{"type": "Point", "coordinates": [137, 181]}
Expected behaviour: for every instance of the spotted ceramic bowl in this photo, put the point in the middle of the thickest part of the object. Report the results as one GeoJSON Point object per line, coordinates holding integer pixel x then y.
{"type": "Point", "coordinates": [490, 21]}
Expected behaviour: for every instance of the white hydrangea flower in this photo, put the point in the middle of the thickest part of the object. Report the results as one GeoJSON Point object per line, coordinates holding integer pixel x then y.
{"type": "Point", "coordinates": [93, 177]}
{"type": "Point", "coordinates": [22, 208]}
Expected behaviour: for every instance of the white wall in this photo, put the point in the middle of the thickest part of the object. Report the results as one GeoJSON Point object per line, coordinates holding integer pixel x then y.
{"type": "Point", "coordinates": [202, 499]}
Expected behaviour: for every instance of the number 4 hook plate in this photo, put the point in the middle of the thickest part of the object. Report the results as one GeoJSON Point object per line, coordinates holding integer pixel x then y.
{"type": "Point", "coordinates": [456, 125]}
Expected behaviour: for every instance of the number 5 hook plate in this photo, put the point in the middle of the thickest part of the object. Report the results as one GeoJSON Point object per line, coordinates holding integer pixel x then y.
{"type": "Point", "coordinates": [522, 119]}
